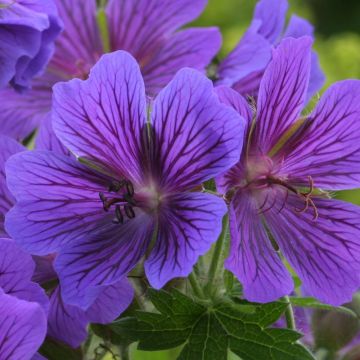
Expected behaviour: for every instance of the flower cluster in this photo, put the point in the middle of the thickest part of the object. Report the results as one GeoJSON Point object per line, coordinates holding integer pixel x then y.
{"type": "Point", "coordinates": [130, 133]}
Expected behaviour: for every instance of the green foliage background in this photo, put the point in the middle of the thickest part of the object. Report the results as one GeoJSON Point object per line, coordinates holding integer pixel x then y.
{"type": "Point", "coordinates": [337, 26]}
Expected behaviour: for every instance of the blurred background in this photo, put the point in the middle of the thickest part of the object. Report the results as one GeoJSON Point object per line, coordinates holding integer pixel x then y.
{"type": "Point", "coordinates": [337, 26]}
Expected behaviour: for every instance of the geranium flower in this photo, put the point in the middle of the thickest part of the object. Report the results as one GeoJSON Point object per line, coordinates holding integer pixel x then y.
{"type": "Point", "coordinates": [148, 29]}
{"type": "Point", "coordinates": [131, 194]}
{"type": "Point", "coordinates": [23, 304]}
{"type": "Point", "coordinates": [279, 189]}
{"type": "Point", "coordinates": [244, 67]}
{"type": "Point", "coordinates": [28, 30]}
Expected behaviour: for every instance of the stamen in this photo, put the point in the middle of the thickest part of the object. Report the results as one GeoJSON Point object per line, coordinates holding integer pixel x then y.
{"type": "Point", "coordinates": [119, 217]}
{"type": "Point", "coordinates": [129, 211]}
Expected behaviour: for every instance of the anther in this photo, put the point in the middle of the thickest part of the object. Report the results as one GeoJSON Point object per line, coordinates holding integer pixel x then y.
{"type": "Point", "coordinates": [129, 211]}
{"type": "Point", "coordinates": [119, 217]}
{"type": "Point", "coordinates": [130, 188]}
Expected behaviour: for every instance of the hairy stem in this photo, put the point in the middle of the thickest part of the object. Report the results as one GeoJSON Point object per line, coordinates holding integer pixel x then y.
{"type": "Point", "coordinates": [124, 353]}
{"type": "Point", "coordinates": [289, 314]}
{"type": "Point", "coordinates": [216, 267]}
{"type": "Point", "coordinates": [195, 285]}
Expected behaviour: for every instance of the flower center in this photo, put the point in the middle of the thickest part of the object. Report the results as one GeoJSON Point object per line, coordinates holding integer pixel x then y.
{"type": "Point", "coordinates": [121, 196]}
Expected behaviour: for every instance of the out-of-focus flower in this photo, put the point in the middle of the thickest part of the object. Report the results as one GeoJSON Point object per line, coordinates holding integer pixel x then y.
{"type": "Point", "coordinates": [148, 29]}
{"type": "Point", "coordinates": [131, 194]}
{"type": "Point", "coordinates": [280, 185]}
{"type": "Point", "coordinates": [23, 304]}
{"type": "Point", "coordinates": [244, 67]}
{"type": "Point", "coordinates": [28, 29]}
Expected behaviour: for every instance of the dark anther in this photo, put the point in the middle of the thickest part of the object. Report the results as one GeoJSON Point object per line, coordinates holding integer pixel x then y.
{"type": "Point", "coordinates": [129, 211]}
{"type": "Point", "coordinates": [119, 217]}
{"type": "Point", "coordinates": [130, 188]}
{"type": "Point", "coordinates": [104, 201]}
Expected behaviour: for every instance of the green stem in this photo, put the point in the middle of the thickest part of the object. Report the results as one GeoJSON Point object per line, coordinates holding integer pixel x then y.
{"type": "Point", "coordinates": [103, 27]}
{"type": "Point", "coordinates": [124, 353]}
{"type": "Point", "coordinates": [289, 314]}
{"type": "Point", "coordinates": [217, 256]}
{"type": "Point", "coordinates": [196, 286]}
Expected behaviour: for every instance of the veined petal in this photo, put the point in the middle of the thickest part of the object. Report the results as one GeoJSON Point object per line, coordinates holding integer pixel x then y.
{"type": "Point", "coordinates": [282, 91]}
{"type": "Point", "coordinates": [66, 323]}
{"type": "Point", "coordinates": [191, 47]}
{"type": "Point", "coordinates": [329, 149]}
{"type": "Point", "coordinates": [101, 258]}
{"type": "Point", "coordinates": [47, 140]}
{"type": "Point", "coordinates": [102, 118]}
{"type": "Point", "coordinates": [252, 54]}
{"type": "Point", "coordinates": [22, 112]}
{"type": "Point", "coordinates": [196, 137]}
{"type": "Point", "coordinates": [252, 258]}
{"type": "Point", "coordinates": [188, 226]}
{"type": "Point", "coordinates": [272, 14]}
{"type": "Point", "coordinates": [57, 200]}
{"type": "Point", "coordinates": [141, 26]}
{"type": "Point", "coordinates": [112, 301]}
{"type": "Point", "coordinates": [22, 328]}
{"type": "Point", "coordinates": [297, 28]}
{"type": "Point", "coordinates": [325, 252]}
{"type": "Point", "coordinates": [8, 147]}
{"type": "Point", "coordinates": [79, 46]}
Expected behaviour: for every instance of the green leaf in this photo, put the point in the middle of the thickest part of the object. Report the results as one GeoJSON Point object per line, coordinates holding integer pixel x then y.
{"type": "Point", "coordinates": [208, 331]}
{"type": "Point", "coordinates": [309, 302]}
{"type": "Point", "coordinates": [56, 351]}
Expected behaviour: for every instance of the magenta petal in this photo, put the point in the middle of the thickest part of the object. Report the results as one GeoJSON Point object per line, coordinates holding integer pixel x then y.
{"type": "Point", "coordinates": [79, 46]}
{"type": "Point", "coordinates": [188, 227]}
{"type": "Point", "coordinates": [102, 118]}
{"type": "Point", "coordinates": [197, 137]}
{"type": "Point", "coordinates": [188, 48]}
{"type": "Point", "coordinates": [272, 14]}
{"type": "Point", "coordinates": [325, 253]}
{"type": "Point", "coordinates": [22, 328]}
{"type": "Point", "coordinates": [252, 258]}
{"type": "Point", "coordinates": [102, 258]}
{"type": "Point", "coordinates": [66, 323]}
{"type": "Point", "coordinates": [282, 91]}
{"type": "Point", "coordinates": [142, 26]}
{"type": "Point", "coordinates": [112, 301]}
{"type": "Point", "coordinates": [57, 200]}
{"type": "Point", "coordinates": [329, 151]}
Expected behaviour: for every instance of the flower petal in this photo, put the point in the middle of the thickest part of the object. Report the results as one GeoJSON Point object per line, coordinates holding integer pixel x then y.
{"type": "Point", "coordinates": [251, 55]}
{"type": "Point", "coordinates": [101, 258]}
{"type": "Point", "coordinates": [191, 47]}
{"type": "Point", "coordinates": [22, 328]}
{"type": "Point", "coordinates": [8, 147]}
{"type": "Point", "coordinates": [66, 323]}
{"type": "Point", "coordinates": [47, 140]}
{"type": "Point", "coordinates": [252, 258]}
{"type": "Point", "coordinates": [282, 91]}
{"type": "Point", "coordinates": [272, 14]}
{"type": "Point", "coordinates": [188, 227]}
{"type": "Point", "coordinates": [197, 137]}
{"type": "Point", "coordinates": [101, 119]}
{"type": "Point", "coordinates": [325, 252]}
{"type": "Point", "coordinates": [297, 28]}
{"type": "Point", "coordinates": [22, 112]}
{"type": "Point", "coordinates": [79, 46]}
{"type": "Point", "coordinates": [112, 301]}
{"type": "Point", "coordinates": [329, 149]}
{"type": "Point", "coordinates": [57, 200]}
{"type": "Point", "coordinates": [141, 26]}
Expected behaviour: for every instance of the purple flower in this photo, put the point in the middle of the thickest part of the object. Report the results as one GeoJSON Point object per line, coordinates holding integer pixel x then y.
{"type": "Point", "coordinates": [23, 304]}
{"type": "Point", "coordinates": [133, 197]}
{"type": "Point", "coordinates": [67, 323]}
{"type": "Point", "coordinates": [8, 147]}
{"type": "Point", "coordinates": [244, 67]}
{"type": "Point", "coordinates": [28, 30]}
{"type": "Point", "coordinates": [279, 189]}
{"type": "Point", "coordinates": [148, 29]}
